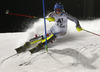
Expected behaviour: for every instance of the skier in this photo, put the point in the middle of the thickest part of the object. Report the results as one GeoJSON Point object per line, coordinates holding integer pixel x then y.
{"type": "Point", "coordinates": [60, 17]}
{"type": "Point", "coordinates": [56, 31]}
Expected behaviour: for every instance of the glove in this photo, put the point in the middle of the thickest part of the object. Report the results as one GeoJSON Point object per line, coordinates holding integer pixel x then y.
{"type": "Point", "coordinates": [79, 28]}
{"type": "Point", "coordinates": [50, 19]}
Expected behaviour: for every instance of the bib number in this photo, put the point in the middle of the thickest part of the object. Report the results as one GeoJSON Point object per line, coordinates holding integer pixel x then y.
{"type": "Point", "coordinates": [59, 22]}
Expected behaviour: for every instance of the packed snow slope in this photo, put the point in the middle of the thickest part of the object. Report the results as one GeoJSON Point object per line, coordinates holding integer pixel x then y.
{"type": "Point", "coordinates": [76, 52]}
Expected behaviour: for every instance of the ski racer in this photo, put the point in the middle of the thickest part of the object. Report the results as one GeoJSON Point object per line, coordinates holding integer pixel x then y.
{"type": "Point", "coordinates": [58, 30]}
{"type": "Point", "coordinates": [60, 17]}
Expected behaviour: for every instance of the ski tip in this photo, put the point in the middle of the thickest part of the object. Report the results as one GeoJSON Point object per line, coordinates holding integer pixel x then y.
{"type": "Point", "coordinates": [18, 51]}
{"type": "Point", "coordinates": [32, 51]}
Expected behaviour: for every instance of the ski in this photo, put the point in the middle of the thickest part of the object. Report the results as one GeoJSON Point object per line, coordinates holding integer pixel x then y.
{"type": "Point", "coordinates": [35, 44]}
{"type": "Point", "coordinates": [40, 46]}
{"type": "Point", "coordinates": [37, 48]}
{"type": "Point", "coordinates": [28, 44]}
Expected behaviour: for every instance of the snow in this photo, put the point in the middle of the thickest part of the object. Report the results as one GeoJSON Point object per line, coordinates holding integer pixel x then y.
{"type": "Point", "coordinates": [76, 52]}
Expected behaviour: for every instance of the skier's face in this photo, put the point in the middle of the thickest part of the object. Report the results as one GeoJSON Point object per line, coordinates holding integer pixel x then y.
{"type": "Point", "coordinates": [58, 11]}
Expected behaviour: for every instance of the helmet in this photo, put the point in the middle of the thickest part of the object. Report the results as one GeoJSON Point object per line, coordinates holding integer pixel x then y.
{"type": "Point", "coordinates": [58, 6]}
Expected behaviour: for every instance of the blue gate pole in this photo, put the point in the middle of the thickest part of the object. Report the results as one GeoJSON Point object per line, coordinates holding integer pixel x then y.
{"type": "Point", "coordinates": [46, 47]}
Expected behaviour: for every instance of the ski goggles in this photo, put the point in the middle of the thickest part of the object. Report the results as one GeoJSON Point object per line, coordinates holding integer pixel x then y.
{"type": "Point", "coordinates": [58, 10]}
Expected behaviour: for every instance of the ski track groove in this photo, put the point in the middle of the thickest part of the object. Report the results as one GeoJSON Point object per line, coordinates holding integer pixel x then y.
{"type": "Point", "coordinates": [32, 60]}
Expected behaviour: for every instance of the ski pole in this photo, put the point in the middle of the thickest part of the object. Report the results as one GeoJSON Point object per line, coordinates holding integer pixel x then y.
{"type": "Point", "coordinates": [90, 32]}
{"type": "Point", "coordinates": [7, 12]}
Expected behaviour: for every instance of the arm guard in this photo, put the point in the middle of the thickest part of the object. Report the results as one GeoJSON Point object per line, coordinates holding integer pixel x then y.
{"type": "Point", "coordinates": [50, 19]}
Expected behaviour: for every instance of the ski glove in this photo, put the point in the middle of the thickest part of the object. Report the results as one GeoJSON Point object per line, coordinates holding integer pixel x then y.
{"type": "Point", "coordinates": [50, 19]}
{"type": "Point", "coordinates": [79, 28]}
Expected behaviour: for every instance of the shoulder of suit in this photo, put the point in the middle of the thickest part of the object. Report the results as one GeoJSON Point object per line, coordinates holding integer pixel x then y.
{"type": "Point", "coordinates": [51, 14]}
{"type": "Point", "coordinates": [65, 13]}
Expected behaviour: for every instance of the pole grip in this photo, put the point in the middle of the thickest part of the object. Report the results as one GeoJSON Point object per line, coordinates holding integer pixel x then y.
{"type": "Point", "coordinates": [7, 11]}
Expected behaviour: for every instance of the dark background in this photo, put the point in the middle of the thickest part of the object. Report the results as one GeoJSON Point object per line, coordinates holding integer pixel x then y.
{"type": "Point", "coordinates": [82, 9]}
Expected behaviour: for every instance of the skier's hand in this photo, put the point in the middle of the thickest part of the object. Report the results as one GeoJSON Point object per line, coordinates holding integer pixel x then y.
{"type": "Point", "coordinates": [79, 28]}
{"type": "Point", "coordinates": [50, 19]}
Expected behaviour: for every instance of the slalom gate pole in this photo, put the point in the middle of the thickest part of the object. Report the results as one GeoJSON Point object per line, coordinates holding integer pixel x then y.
{"type": "Point", "coordinates": [7, 12]}
{"type": "Point", "coordinates": [46, 47]}
{"type": "Point", "coordinates": [90, 32]}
